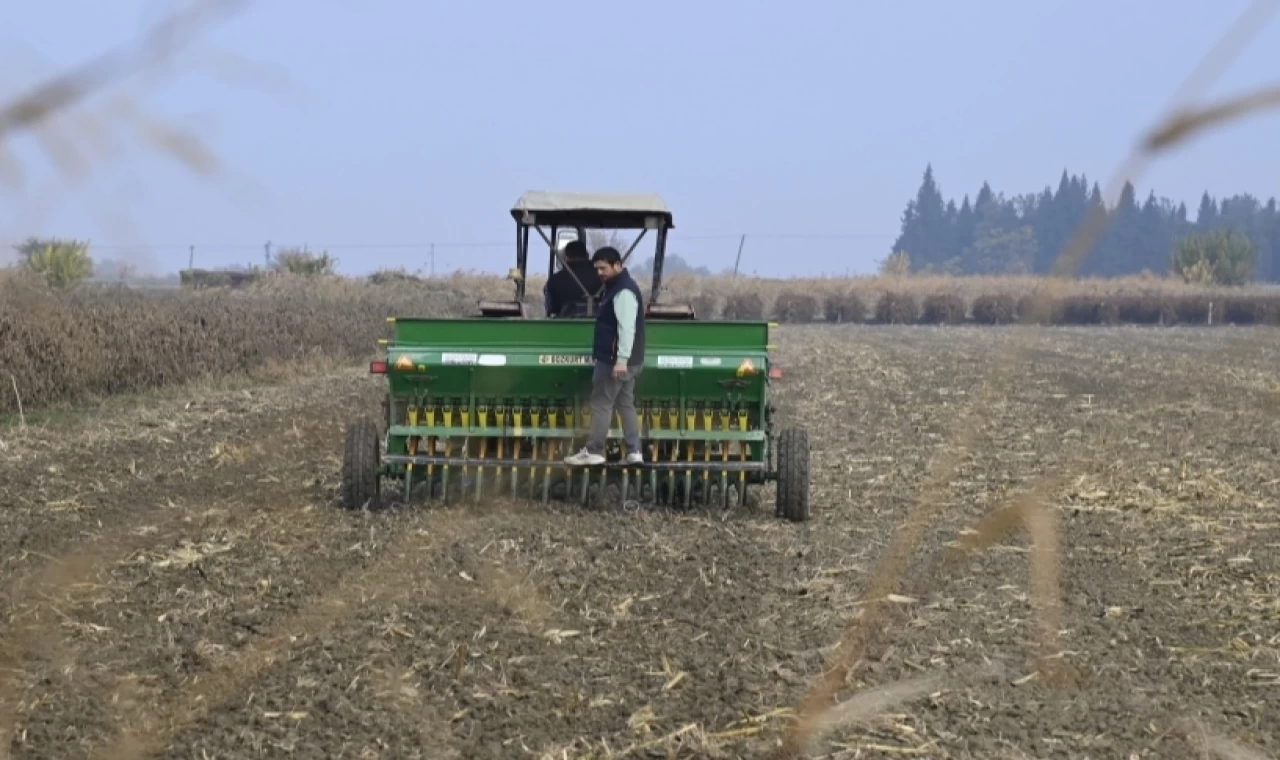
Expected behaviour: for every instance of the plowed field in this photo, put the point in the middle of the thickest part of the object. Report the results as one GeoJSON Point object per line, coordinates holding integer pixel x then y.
{"type": "Point", "coordinates": [180, 583]}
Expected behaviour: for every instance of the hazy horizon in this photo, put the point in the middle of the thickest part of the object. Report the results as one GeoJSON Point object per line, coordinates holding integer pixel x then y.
{"type": "Point", "coordinates": [403, 125]}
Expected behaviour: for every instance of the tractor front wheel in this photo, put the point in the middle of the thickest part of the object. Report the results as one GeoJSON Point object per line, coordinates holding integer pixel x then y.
{"type": "Point", "coordinates": [361, 462]}
{"type": "Point", "coordinates": [793, 475]}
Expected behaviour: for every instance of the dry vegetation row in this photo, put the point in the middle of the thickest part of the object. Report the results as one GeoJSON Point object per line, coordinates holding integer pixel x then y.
{"type": "Point", "coordinates": [70, 346]}
{"type": "Point", "coordinates": [981, 300]}
{"type": "Point", "coordinates": [93, 342]}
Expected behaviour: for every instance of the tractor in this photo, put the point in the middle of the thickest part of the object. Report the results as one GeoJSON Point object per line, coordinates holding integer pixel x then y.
{"type": "Point", "coordinates": [488, 406]}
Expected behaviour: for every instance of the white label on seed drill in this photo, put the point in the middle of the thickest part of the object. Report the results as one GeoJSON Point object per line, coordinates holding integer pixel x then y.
{"type": "Point", "coordinates": [710, 361]}
{"type": "Point", "coordinates": [457, 358]}
{"type": "Point", "coordinates": [675, 361]}
{"type": "Point", "coordinates": [563, 359]}
{"type": "Point", "coordinates": [492, 360]}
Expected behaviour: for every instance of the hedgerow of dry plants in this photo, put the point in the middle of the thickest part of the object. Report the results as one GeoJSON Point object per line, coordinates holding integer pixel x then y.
{"type": "Point", "coordinates": [70, 346]}
{"type": "Point", "coordinates": [1082, 310]}
{"type": "Point", "coordinates": [704, 306]}
{"type": "Point", "coordinates": [943, 309]}
{"type": "Point", "coordinates": [743, 306]}
{"type": "Point", "coordinates": [995, 309]}
{"type": "Point", "coordinates": [845, 307]}
{"type": "Point", "coordinates": [896, 308]}
{"type": "Point", "coordinates": [795, 307]}
{"type": "Point", "coordinates": [1138, 310]}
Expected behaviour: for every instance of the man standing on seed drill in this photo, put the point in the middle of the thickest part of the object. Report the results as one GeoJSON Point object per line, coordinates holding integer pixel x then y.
{"type": "Point", "coordinates": [618, 352]}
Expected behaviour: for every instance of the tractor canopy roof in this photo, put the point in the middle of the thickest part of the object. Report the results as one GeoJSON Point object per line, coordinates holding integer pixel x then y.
{"type": "Point", "coordinates": [594, 210]}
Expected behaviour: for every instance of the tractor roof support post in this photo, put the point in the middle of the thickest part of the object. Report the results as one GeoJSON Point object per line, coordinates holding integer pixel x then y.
{"type": "Point", "coordinates": [551, 269]}
{"type": "Point", "coordinates": [551, 266]}
{"type": "Point", "coordinates": [660, 250]}
{"type": "Point", "coordinates": [519, 249]}
{"type": "Point", "coordinates": [522, 255]}
{"type": "Point", "coordinates": [544, 237]}
{"type": "Point", "coordinates": [634, 243]}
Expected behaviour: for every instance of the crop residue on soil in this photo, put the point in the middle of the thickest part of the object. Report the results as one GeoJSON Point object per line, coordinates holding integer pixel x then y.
{"type": "Point", "coordinates": [182, 583]}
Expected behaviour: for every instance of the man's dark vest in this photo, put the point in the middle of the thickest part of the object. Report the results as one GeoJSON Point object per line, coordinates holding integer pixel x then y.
{"type": "Point", "coordinates": [606, 338]}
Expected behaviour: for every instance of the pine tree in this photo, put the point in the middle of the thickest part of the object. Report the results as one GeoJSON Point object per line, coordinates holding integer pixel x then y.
{"type": "Point", "coordinates": [1155, 244]}
{"type": "Point", "coordinates": [1269, 242]}
{"type": "Point", "coordinates": [1047, 223]}
{"type": "Point", "coordinates": [998, 233]}
{"type": "Point", "coordinates": [985, 196]}
{"type": "Point", "coordinates": [1207, 215]}
{"type": "Point", "coordinates": [966, 226]}
{"type": "Point", "coordinates": [927, 231]}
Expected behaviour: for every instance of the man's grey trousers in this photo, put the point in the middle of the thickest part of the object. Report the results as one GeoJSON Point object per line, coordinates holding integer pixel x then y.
{"type": "Point", "coordinates": [608, 394]}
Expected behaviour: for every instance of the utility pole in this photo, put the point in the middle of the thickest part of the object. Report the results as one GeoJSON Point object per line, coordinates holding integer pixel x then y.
{"type": "Point", "coordinates": [433, 259]}
{"type": "Point", "coordinates": [741, 242]}
{"type": "Point", "coordinates": [267, 257]}
{"type": "Point", "coordinates": [191, 258]}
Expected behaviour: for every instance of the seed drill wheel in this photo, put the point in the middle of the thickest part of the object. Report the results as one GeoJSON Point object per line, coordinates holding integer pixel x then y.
{"type": "Point", "coordinates": [361, 461]}
{"type": "Point", "coordinates": [793, 475]}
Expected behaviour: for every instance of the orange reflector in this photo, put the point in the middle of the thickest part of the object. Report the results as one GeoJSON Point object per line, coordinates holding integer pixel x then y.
{"type": "Point", "coordinates": [775, 373]}
{"type": "Point", "coordinates": [377, 368]}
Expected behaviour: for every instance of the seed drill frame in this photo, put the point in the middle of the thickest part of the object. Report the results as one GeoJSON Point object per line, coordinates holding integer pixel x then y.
{"type": "Point", "coordinates": [489, 406]}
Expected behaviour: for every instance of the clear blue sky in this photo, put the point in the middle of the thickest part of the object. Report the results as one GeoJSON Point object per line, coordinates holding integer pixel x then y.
{"type": "Point", "coordinates": [373, 128]}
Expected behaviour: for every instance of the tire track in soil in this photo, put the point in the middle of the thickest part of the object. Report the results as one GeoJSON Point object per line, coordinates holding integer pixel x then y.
{"type": "Point", "coordinates": [652, 624]}
{"type": "Point", "coordinates": [165, 480]}
{"type": "Point", "coordinates": [232, 674]}
{"type": "Point", "coordinates": [515, 630]}
{"type": "Point", "coordinates": [178, 614]}
{"type": "Point", "coordinates": [174, 631]}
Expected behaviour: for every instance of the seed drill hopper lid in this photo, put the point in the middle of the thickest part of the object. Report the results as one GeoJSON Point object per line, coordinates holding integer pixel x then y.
{"type": "Point", "coordinates": [606, 210]}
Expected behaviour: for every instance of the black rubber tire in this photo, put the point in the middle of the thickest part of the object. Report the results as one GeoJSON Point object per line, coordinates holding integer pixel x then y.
{"type": "Point", "coordinates": [793, 475]}
{"type": "Point", "coordinates": [361, 460]}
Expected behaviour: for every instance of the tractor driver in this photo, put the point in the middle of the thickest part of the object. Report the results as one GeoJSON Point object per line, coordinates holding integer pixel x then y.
{"type": "Point", "coordinates": [562, 294]}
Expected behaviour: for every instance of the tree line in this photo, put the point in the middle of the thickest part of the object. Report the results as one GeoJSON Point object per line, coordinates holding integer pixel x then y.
{"type": "Point", "coordinates": [65, 262]}
{"type": "Point", "coordinates": [1023, 234]}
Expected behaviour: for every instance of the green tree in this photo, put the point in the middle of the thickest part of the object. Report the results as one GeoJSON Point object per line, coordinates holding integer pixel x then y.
{"type": "Point", "coordinates": [975, 235]}
{"type": "Point", "coordinates": [1207, 215]}
{"type": "Point", "coordinates": [1119, 249]}
{"type": "Point", "coordinates": [1004, 251]}
{"type": "Point", "coordinates": [1269, 232]}
{"type": "Point", "coordinates": [62, 263]}
{"type": "Point", "coordinates": [927, 229]}
{"type": "Point", "coordinates": [1248, 216]}
{"type": "Point", "coordinates": [966, 227]}
{"type": "Point", "coordinates": [302, 262]}
{"type": "Point", "coordinates": [1001, 242]}
{"type": "Point", "coordinates": [896, 264]}
{"type": "Point", "coordinates": [1224, 256]}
